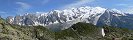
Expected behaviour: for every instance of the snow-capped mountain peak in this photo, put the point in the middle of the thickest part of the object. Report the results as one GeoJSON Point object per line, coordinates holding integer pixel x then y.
{"type": "Point", "coordinates": [116, 12]}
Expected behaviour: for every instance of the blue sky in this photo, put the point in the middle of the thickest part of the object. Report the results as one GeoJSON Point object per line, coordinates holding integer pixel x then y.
{"type": "Point", "coordinates": [19, 7]}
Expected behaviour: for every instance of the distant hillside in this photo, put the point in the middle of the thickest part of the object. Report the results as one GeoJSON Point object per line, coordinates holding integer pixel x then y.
{"type": "Point", "coordinates": [78, 31]}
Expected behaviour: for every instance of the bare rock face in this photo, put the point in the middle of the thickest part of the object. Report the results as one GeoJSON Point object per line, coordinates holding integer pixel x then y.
{"type": "Point", "coordinates": [10, 19]}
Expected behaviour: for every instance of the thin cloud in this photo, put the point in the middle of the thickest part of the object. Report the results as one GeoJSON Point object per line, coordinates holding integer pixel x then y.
{"type": "Point", "coordinates": [124, 5]}
{"type": "Point", "coordinates": [45, 1]}
{"type": "Point", "coordinates": [23, 5]}
{"type": "Point", "coordinates": [2, 12]}
{"type": "Point", "coordinates": [78, 3]}
{"type": "Point", "coordinates": [127, 8]}
{"type": "Point", "coordinates": [130, 6]}
{"type": "Point", "coordinates": [130, 11]}
{"type": "Point", "coordinates": [121, 4]}
{"type": "Point", "coordinates": [22, 8]}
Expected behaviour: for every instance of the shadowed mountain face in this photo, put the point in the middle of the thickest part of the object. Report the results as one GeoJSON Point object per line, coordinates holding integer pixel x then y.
{"type": "Point", "coordinates": [115, 19]}
{"type": "Point", "coordinates": [78, 31]}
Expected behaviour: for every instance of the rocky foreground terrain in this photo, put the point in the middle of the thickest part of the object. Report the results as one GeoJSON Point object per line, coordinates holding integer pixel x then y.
{"type": "Point", "coordinates": [78, 31]}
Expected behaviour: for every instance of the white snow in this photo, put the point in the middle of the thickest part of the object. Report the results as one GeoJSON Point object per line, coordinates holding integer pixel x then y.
{"type": "Point", "coordinates": [103, 33]}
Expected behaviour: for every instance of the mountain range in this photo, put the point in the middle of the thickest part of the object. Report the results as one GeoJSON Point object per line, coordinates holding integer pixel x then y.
{"type": "Point", "coordinates": [96, 25]}
{"type": "Point", "coordinates": [63, 19]}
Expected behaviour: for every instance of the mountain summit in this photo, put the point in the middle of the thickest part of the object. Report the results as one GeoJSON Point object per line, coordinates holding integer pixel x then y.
{"type": "Point", "coordinates": [63, 19]}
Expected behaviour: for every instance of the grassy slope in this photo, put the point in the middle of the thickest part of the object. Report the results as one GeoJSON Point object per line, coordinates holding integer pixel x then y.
{"type": "Point", "coordinates": [85, 31]}
{"type": "Point", "coordinates": [118, 33]}
{"type": "Point", "coordinates": [79, 31]}
{"type": "Point", "coordinates": [15, 32]}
